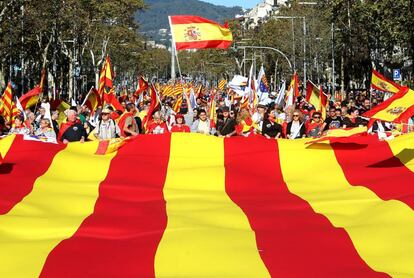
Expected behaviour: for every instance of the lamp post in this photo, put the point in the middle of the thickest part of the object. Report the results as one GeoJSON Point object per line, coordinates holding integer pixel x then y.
{"type": "Point", "coordinates": [304, 41]}
{"type": "Point", "coordinates": [244, 47]}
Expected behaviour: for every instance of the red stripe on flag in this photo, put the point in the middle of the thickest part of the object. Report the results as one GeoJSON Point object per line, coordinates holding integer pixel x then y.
{"type": "Point", "coordinates": [292, 239]}
{"type": "Point", "coordinates": [121, 237]}
{"type": "Point", "coordinates": [24, 163]}
{"type": "Point", "coordinates": [377, 168]}
{"type": "Point", "coordinates": [384, 105]}
{"type": "Point", "coordinates": [203, 44]}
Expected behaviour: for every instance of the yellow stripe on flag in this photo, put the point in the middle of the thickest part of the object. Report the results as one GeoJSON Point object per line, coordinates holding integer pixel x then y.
{"type": "Point", "coordinates": [399, 148]}
{"type": "Point", "coordinates": [205, 31]}
{"type": "Point", "coordinates": [206, 232]}
{"type": "Point", "coordinates": [380, 230]}
{"type": "Point", "coordinates": [383, 84]}
{"type": "Point", "coordinates": [61, 199]}
{"type": "Point", "coordinates": [5, 144]}
{"type": "Point", "coordinates": [400, 105]}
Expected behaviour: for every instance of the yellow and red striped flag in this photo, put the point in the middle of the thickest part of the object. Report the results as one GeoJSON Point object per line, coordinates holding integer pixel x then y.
{"type": "Point", "coordinates": [6, 109]}
{"type": "Point", "coordinates": [178, 89]}
{"type": "Point", "coordinates": [198, 206]}
{"type": "Point", "coordinates": [381, 83]}
{"type": "Point", "coordinates": [168, 90]}
{"type": "Point", "coordinates": [101, 88]}
{"type": "Point", "coordinates": [108, 73]}
{"type": "Point", "coordinates": [222, 84]}
{"type": "Point", "coordinates": [178, 103]}
{"type": "Point", "coordinates": [194, 32]}
{"type": "Point", "coordinates": [399, 108]}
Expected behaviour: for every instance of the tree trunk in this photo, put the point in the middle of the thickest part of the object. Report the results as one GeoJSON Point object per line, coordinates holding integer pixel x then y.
{"type": "Point", "coordinates": [2, 80]}
{"type": "Point", "coordinates": [343, 70]}
{"type": "Point", "coordinates": [70, 76]}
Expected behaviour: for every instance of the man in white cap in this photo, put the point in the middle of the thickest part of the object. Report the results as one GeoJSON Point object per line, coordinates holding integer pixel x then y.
{"type": "Point", "coordinates": [106, 127]}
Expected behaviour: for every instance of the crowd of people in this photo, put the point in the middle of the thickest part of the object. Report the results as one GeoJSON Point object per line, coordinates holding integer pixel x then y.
{"type": "Point", "coordinates": [223, 119]}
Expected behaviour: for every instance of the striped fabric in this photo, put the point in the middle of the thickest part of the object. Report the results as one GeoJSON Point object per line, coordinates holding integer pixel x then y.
{"type": "Point", "coordinates": [188, 205]}
{"type": "Point", "coordinates": [6, 103]}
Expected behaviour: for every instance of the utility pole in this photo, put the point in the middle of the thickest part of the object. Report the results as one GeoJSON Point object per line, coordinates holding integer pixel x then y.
{"type": "Point", "coordinates": [333, 56]}
{"type": "Point", "coordinates": [304, 53]}
{"type": "Point", "coordinates": [22, 72]}
{"type": "Point", "coordinates": [304, 41]}
{"type": "Point", "coordinates": [11, 48]}
{"type": "Point", "coordinates": [294, 45]}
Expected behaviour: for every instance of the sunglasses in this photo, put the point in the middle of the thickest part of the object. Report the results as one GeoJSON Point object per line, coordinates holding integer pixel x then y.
{"type": "Point", "coordinates": [295, 115]}
{"type": "Point", "coordinates": [316, 117]}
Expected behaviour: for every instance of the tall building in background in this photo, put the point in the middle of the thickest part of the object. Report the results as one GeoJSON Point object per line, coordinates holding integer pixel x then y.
{"type": "Point", "coordinates": [262, 12]}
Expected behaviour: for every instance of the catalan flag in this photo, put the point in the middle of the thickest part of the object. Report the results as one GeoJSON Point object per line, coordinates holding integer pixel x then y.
{"type": "Point", "coordinates": [399, 108]}
{"type": "Point", "coordinates": [222, 84]}
{"type": "Point", "coordinates": [167, 90]}
{"type": "Point", "coordinates": [6, 103]}
{"type": "Point", "coordinates": [101, 88]}
{"type": "Point", "coordinates": [198, 207]}
{"type": "Point", "coordinates": [194, 32]}
{"type": "Point", "coordinates": [381, 83]}
{"type": "Point", "coordinates": [178, 89]}
{"type": "Point", "coordinates": [178, 103]}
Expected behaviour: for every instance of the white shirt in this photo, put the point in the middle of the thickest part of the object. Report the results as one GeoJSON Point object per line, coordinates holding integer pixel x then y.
{"type": "Point", "coordinates": [203, 127]}
{"type": "Point", "coordinates": [295, 129]}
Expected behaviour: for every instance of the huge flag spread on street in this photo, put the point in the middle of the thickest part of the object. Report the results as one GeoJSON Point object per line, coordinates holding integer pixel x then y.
{"type": "Point", "coordinates": [188, 205]}
{"type": "Point", "coordinates": [194, 32]}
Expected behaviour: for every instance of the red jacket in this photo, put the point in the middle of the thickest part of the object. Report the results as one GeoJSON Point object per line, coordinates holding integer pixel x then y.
{"type": "Point", "coordinates": [182, 128]}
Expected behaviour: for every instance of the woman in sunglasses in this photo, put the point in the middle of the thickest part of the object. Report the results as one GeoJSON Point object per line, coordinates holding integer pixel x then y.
{"type": "Point", "coordinates": [314, 126]}
{"type": "Point", "coordinates": [296, 128]}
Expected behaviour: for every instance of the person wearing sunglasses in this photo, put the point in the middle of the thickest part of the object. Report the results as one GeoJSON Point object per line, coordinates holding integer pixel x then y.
{"type": "Point", "coordinates": [296, 128]}
{"type": "Point", "coordinates": [314, 126]}
{"type": "Point", "coordinates": [332, 121]}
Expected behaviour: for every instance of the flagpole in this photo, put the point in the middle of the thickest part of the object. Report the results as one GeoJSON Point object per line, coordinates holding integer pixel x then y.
{"type": "Point", "coordinates": [173, 53]}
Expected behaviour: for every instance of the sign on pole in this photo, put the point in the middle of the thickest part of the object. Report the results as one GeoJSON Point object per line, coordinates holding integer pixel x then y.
{"type": "Point", "coordinates": [397, 75]}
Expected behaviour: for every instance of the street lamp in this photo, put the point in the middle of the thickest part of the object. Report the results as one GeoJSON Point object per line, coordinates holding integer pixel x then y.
{"type": "Point", "coordinates": [244, 47]}
{"type": "Point", "coordinates": [304, 40]}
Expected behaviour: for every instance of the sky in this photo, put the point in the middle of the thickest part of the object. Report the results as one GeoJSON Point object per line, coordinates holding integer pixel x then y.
{"type": "Point", "coordinates": [230, 3]}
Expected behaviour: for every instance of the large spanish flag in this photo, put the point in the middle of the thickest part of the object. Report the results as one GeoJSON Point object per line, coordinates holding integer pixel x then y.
{"type": "Point", "coordinates": [381, 83]}
{"type": "Point", "coordinates": [189, 205]}
{"type": "Point", "coordinates": [399, 108]}
{"type": "Point", "coordinates": [194, 32]}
